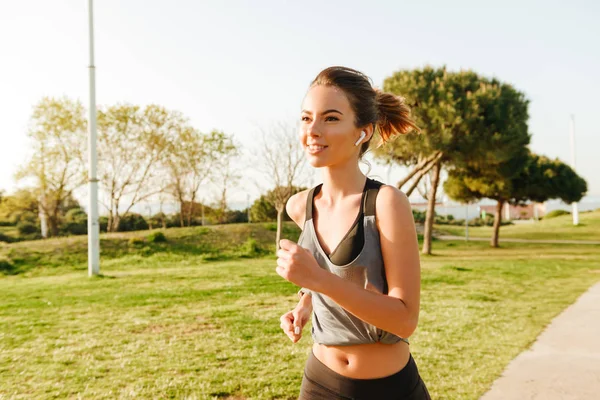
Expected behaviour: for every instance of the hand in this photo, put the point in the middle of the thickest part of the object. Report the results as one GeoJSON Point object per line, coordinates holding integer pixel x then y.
{"type": "Point", "coordinates": [293, 321]}
{"type": "Point", "coordinates": [297, 265]}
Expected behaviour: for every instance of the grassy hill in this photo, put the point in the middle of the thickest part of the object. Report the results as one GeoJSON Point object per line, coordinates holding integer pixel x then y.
{"type": "Point", "coordinates": [211, 243]}
{"type": "Point", "coordinates": [197, 317]}
{"type": "Point", "coordinates": [554, 228]}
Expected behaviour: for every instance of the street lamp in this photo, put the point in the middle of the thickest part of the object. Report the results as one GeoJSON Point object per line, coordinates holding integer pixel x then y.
{"type": "Point", "coordinates": [574, 204]}
{"type": "Point", "coordinates": [93, 227]}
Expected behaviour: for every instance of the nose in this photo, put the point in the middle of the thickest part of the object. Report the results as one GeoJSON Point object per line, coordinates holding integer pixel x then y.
{"type": "Point", "coordinates": [312, 129]}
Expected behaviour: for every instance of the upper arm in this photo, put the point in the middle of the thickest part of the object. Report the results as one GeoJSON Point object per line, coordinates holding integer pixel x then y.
{"type": "Point", "coordinates": [296, 207]}
{"type": "Point", "coordinates": [399, 247]}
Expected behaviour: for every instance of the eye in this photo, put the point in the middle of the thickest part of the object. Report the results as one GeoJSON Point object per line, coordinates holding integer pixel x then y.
{"type": "Point", "coordinates": [304, 118]}
{"type": "Point", "coordinates": [331, 118]}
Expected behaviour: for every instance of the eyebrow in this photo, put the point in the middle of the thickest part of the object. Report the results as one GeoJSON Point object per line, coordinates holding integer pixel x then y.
{"type": "Point", "coordinates": [325, 112]}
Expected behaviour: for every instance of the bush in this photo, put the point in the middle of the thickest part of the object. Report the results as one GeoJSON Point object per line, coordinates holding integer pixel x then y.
{"type": "Point", "coordinates": [132, 222]}
{"type": "Point", "coordinates": [103, 222]}
{"type": "Point", "coordinates": [156, 237]}
{"type": "Point", "coordinates": [6, 238]}
{"type": "Point", "coordinates": [419, 216]}
{"type": "Point", "coordinates": [75, 222]}
{"type": "Point", "coordinates": [556, 213]}
{"type": "Point", "coordinates": [27, 228]}
{"type": "Point", "coordinates": [250, 249]}
{"type": "Point", "coordinates": [25, 216]}
{"type": "Point", "coordinates": [136, 241]}
{"type": "Point", "coordinates": [6, 266]}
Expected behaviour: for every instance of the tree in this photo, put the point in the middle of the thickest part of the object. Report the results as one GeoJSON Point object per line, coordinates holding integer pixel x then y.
{"type": "Point", "coordinates": [466, 120]}
{"type": "Point", "coordinates": [131, 142]}
{"type": "Point", "coordinates": [224, 175]}
{"type": "Point", "coordinates": [58, 138]}
{"type": "Point", "coordinates": [263, 210]}
{"type": "Point", "coordinates": [529, 178]}
{"type": "Point", "coordinates": [543, 179]}
{"type": "Point", "coordinates": [191, 162]}
{"type": "Point", "coordinates": [282, 164]}
{"type": "Point", "coordinates": [23, 201]}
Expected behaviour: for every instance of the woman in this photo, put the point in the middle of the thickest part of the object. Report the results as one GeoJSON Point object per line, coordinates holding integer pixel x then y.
{"type": "Point", "coordinates": [357, 259]}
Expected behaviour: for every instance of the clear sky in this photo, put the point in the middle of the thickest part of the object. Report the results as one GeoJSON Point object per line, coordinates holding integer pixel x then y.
{"type": "Point", "coordinates": [241, 65]}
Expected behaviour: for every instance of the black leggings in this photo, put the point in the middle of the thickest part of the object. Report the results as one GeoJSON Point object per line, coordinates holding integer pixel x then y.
{"type": "Point", "coordinates": [321, 382]}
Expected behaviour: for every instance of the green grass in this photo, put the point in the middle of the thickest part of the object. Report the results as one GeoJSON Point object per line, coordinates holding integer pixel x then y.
{"type": "Point", "coordinates": [166, 322]}
{"type": "Point", "coordinates": [552, 229]}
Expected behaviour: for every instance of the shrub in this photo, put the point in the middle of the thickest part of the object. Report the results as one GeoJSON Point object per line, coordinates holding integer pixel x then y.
{"type": "Point", "coordinates": [6, 238]}
{"type": "Point", "coordinates": [419, 216]}
{"type": "Point", "coordinates": [556, 213]}
{"type": "Point", "coordinates": [103, 222]}
{"type": "Point", "coordinates": [250, 248]}
{"type": "Point", "coordinates": [136, 241]}
{"type": "Point", "coordinates": [75, 222]}
{"type": "Point", "coordinates": [27, 228]}
{"type": "Point", "coordinates": [132, 222]}
{"type": "Point", "coordinates": [156, 237]}
{"type": "Point", "coordinates": [6, 266]}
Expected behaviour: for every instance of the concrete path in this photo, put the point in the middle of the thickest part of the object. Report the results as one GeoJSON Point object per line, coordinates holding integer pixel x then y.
{"type": "Point", "coordinates": [563, 363]}
{"type": "Point", "coordinates": [479, 239]}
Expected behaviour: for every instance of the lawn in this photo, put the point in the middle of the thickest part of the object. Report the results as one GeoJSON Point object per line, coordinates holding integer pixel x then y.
{"type": "Point", "coordinates": [180, 320]}
{"type": "Point", "coordinates": [554, 229]}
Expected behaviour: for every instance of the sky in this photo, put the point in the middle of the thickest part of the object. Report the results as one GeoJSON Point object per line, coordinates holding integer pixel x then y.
{"type": "Point", "coordinates": [241, 66]}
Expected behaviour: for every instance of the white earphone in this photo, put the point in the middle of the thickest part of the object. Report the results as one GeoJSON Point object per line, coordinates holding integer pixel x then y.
{"type": "Point", "coordinates": [362, 136]}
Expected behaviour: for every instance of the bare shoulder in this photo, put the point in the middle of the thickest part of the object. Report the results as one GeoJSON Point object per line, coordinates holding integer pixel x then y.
{"type": "Point", "coordinates": [390, 198]}
{"type": "Point", "coordinates": [393, 205]}
{"type": "Point", "coordinates": [296, 207]}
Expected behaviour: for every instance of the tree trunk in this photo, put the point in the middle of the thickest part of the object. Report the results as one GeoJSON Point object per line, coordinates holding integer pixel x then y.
{"type": "Point", "coordinates": [431, 208]}
{"type": "Point", "coordinates": [425, 163]}
{"type": "Point", "coordinates": [279, 225]}
{"type": "Point", "coordinates": [53, 225]}
{"type": "Point", "coordinates": [181, 207]}
{"type": "Point", "coordinates": [115, 223]}
{"type": "Point", "coordinates": [497, 221]}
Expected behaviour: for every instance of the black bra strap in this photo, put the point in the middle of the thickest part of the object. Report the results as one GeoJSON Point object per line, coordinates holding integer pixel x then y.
{"type": "Point", "coordinates": [367, 204]}
{"type": "Point", "coordinates": [309, 202]}
{"type": "Point", "coordinates": [371, 196]}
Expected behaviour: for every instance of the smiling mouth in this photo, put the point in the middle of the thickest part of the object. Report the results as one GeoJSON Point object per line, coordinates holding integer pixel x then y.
{"type": "Point", "coordinates": [314, 149]}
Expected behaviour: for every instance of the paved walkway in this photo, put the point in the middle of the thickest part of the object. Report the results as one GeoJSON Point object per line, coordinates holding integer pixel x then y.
{"type": "Point", "coordinates": [479, 239]}
{"type": "Point", "coordinates": [563, 363]}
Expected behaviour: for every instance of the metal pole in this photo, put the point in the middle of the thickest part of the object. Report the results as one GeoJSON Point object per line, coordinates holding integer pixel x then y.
{"type": "Point", "coordinates": [574, 205]}
{"type": "Point", "coordinates": [93, 226]}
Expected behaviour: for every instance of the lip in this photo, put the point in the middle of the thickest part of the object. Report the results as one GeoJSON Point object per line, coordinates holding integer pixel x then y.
{"type": "Point", "coordinates": [314, 148]}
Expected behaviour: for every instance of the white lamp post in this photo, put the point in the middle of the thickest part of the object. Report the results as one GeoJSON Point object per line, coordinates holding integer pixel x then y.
{"type": "Point", "coordinates": [574, 205]}
{"type": "Point", "coordinates": [93, 227]}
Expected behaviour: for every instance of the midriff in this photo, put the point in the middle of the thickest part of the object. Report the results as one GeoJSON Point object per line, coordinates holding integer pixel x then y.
{"type": "Point", "coordinates": [364, 361]}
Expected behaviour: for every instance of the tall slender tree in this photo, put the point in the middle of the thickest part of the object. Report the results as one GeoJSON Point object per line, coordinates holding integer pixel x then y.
{"type": "Point", "coordinates": [57, 135]}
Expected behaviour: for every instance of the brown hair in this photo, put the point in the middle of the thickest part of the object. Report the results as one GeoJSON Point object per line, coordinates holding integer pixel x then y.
{"type": "Point", "coordinates": [388, 113]}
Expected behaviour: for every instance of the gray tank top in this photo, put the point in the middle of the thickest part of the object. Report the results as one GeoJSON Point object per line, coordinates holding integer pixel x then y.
{"type": "Point", "coordinates": [331, 324]}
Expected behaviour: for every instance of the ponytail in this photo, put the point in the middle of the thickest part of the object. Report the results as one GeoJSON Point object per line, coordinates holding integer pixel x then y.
{"type": "Point", "coordinates": [394, 116]}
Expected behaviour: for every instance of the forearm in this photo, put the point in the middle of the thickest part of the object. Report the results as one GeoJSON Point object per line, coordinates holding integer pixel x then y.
{"type": "Point", "coordinates": [385, 312]}
{"type": "Point", "coordinates": [305, 301]}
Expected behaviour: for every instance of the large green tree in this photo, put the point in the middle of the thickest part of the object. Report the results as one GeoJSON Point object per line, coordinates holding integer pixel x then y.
{"type": "Point", "coordinates": [525, 177]}
{"type": "Point", "coordinates": [465, 120]}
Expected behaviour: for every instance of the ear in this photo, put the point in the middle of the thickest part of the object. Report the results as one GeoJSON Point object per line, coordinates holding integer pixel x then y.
{"type": "Point", "coordinates": [369, 130]}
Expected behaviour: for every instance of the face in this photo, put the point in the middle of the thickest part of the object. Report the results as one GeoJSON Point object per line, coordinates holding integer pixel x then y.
{"type": "Point", "coordinates": [327, 130]}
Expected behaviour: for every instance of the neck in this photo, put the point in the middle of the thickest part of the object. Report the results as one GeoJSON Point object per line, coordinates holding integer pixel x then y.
{"type": "Point", "coordinates": [342, 180]}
